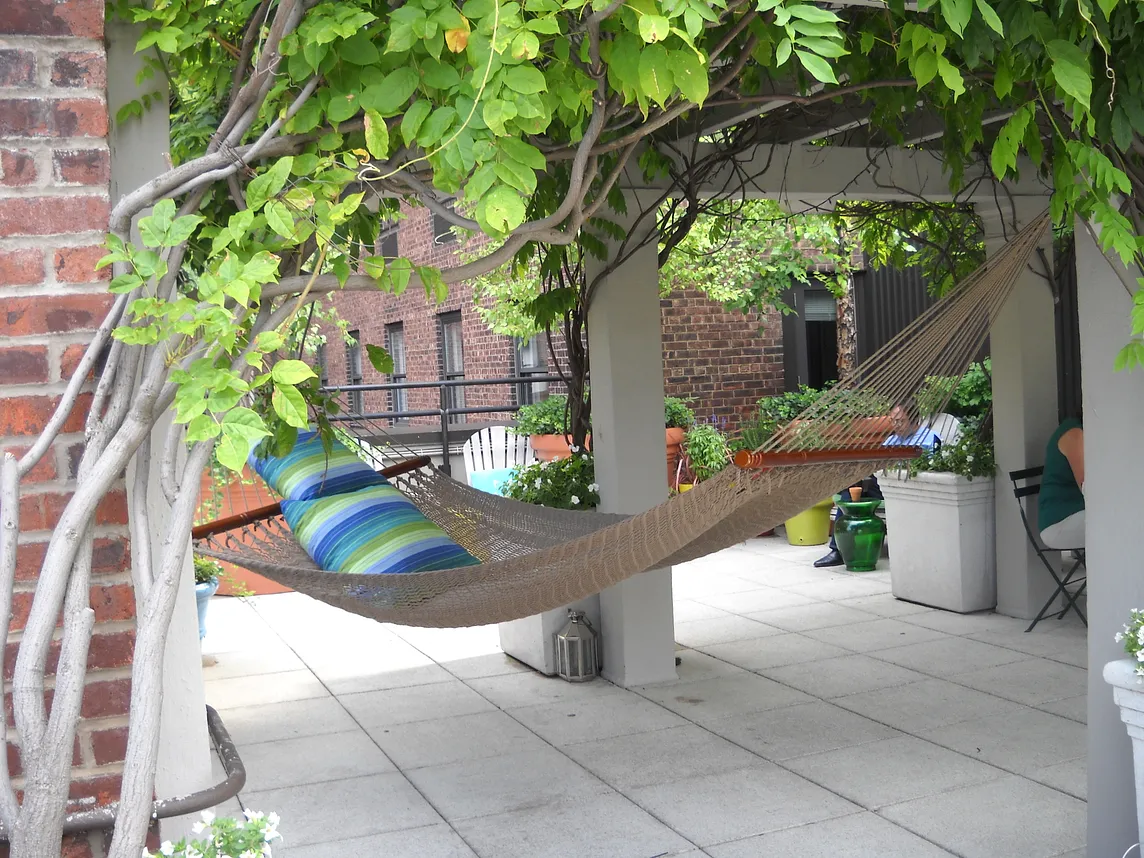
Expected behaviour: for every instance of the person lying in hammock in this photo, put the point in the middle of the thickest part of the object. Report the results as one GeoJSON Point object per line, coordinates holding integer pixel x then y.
{"type": "Point", "coordinates": [942, 429]}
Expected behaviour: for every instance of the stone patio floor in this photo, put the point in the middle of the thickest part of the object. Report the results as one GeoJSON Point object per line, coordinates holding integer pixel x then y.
{"type": "Point", "coordinates": [814, 715]}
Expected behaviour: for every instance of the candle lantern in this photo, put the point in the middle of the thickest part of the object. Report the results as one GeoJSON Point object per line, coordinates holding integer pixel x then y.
{"type": "Point", "coordinates": [577, 649]}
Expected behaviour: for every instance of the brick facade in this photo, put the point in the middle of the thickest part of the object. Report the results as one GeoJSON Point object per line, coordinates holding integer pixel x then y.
{"type": "Point", "coordinates": [723, 361]}
{"type": "Point", "coordinates": [54, 203]}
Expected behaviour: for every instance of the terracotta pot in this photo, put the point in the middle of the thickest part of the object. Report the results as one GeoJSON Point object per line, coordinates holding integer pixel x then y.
{"type": "Point", "coordinates": [874, 429]}
{"type": "Point", "coordinates": [549, 448]}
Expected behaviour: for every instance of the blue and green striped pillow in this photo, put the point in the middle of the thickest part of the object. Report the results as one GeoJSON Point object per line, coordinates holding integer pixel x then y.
{"type": "Point", "coordinates": [372, 531]}
{"type": "Point", "coordinates": [308, 471]}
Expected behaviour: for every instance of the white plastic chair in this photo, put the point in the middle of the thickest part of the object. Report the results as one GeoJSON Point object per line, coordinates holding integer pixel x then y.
{"type": "Point", "coordinates": [945, 426]}
{"type": "Point", "coordinates": [491, 454]}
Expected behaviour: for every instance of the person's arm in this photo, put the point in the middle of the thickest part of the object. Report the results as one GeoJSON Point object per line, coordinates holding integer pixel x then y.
{"type": "Point", "coordinates": [1071, 445]}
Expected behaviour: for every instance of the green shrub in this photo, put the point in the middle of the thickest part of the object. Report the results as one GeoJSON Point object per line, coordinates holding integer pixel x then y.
{"type": "Point", "coordinates": [969, 397]}
{"type": "Point", "coordinates": [773, 412]}
{"type": "Point", "coordinates": [563, 484]}
{"type": "Point", "coordinates": [677, 414]}
{"type": "Point", "coordinates": [970, 456]}
{"type": "Point", "coordinates": [206, 570]}
{"type": "Point", "coordinates": [707, 450]}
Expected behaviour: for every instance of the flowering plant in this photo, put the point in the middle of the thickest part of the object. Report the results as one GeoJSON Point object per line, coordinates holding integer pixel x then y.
{"type": "Point", "coordinates": [970, 456]}
{"type": "Point", "coordinates": [563, 484]}
{"type": "Point", "coordinates": [1133, 639]}
{"type": "Point", "coordinates": [225, 837]}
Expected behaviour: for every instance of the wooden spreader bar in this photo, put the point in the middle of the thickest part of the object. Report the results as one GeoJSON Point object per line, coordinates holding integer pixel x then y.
{"type": "Point", "coordinates": [747, 460]}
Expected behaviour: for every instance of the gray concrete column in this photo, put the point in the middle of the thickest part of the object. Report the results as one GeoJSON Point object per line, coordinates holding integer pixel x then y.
{"type": "Point", "coordinates": [138, 153]}
{"type": "Point", "coordinates": [1114, 475]}
{"type": "Point", "coordinates": [1023, 349]}
{"type": "Point", "coordinates": [626, 354]}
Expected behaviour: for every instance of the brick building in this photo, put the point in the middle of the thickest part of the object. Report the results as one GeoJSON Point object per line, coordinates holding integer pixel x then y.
{"type": "Point", "coordinates": [55, 173]}
{"type": "Point", "coordinates": [724, 361]}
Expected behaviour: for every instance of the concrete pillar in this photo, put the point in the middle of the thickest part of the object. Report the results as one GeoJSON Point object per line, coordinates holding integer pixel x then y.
{"type": "Point", "coordinates": [626, 354]}
{"type": "Point", "coordinates": [1114, 473]}
{"type": "Point", "coordinates": [1023, 349]}
{"type": "Point", "coordinates": [138, 150]}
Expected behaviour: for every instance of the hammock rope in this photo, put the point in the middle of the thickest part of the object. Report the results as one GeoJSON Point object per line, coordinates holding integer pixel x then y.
{"type": "Point", "coordinates": [535, 559]}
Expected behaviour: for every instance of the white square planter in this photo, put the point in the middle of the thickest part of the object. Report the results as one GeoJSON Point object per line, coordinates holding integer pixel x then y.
{"type": "Point", "coordinates": [941, 535]}
{"type": "Point", "coordinates": [1128, 692]}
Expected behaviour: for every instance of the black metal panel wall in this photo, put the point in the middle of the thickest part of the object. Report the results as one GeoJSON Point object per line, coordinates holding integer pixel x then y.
{"type": "Point", "coordinates": [1068, 331]}
{"type": "Point", "coordinates": [886, 300]}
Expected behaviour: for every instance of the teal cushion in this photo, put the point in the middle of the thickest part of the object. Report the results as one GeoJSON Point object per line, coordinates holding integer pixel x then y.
{"type": "Point", "coordinates": [308, 472]}
{"type": "Point", "coordinates": [373, 531]}
{"type": "Point", "coordinates": [491, 481]}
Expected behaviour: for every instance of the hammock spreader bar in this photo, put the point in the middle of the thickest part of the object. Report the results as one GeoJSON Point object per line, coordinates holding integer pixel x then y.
{"type": "Point", "coordinates": [746, 460]}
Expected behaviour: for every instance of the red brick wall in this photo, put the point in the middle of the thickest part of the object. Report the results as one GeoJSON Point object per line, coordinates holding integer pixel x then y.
{"type": "Point", "coordinates": [724, 361]}
{"type": "Point", "coordinates": [54, 181]}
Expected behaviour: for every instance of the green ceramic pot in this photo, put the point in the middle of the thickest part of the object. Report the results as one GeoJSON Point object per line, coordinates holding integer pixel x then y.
{"type": "Point", "coordinates": [860, 534]}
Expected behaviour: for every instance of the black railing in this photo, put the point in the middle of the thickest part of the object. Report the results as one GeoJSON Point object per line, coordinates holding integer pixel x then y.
{"type": "Point", "coordinates": [445, 411]}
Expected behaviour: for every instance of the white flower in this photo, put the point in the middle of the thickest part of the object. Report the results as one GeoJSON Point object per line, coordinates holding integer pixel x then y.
{"type": "Point", "coordinates": [969, 459]}
{"type": "Point", "coordinates": [575, 500]}
{"type": "Point", "coordinates": [208, 817]}
{"type": "Point", "coordinates": [254, 814]}
{"type": "Point", "coordinates": [273, 818]}
{"type": "Point", "coordinates": [192, 852]}
{"type": "Point", "coordinates": [574, 449]}
{"type": "Point", "coordinates": [198, 828]}
{"type": "Point", "coordinates": [1140, 656]}
{"type": "Point", "coordinates": [249, 853]}
{"type": "Point", "coordinates": [147, 854]}
{"type": "Point", "coordinates": [1120, 637]}
{"type": "Point", "coordinates": [593, 487]}
{"type": "Point", "coordinates": [537, 483]}
{"type": "Point", "coordinates": [585, 456]}
{"type": "Point", "coordinates": [168, 848]}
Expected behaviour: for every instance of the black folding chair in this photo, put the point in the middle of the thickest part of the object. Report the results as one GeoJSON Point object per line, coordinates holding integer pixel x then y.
{"type": "Point", "coordinates": [1031, 478]}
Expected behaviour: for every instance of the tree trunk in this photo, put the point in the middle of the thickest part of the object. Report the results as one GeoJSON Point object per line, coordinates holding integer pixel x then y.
{"type": "Point", "coordinates": [847, 332]}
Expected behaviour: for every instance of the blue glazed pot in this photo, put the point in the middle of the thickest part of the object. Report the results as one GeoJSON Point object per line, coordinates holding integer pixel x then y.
{"type": "Point", "coordinates": [203, 593]}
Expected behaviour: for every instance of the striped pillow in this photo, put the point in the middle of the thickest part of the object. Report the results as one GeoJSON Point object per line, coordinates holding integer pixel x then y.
{"type": "Point", "coordinates": [308, 472]}
{"type": "Point", "coordinates": [370, 532]}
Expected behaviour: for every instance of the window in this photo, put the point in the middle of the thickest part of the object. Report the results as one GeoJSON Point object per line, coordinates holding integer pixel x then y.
{"type": "Point", "coordinates": [443, 227]}
{"type": "Point", "coordinates": [323, 364]}
{"type": "Point", "coordinates": [530, 360]}
{"type": "Point", "coordinates": [395, 345]}
{"type": "Point", "coordinates": [353, 371]}
{"type": "Point", "coordinates": [387, 241]}
{"type": "Point", "coordinates": [452, 361]}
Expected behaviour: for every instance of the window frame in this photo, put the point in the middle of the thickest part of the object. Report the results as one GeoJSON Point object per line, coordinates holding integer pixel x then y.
{"type": "Point", "coordinates": [398, 400]}
{"type": "Point", "coordinates": [454, 396]}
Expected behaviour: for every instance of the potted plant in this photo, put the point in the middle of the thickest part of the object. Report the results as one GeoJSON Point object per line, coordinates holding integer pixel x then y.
{"type": "Point", "coordinates": [939, 513]}
{"type": "Point", "coordinates": [224, 835]}
{"type": "Point", "coordinates": [677, 419]}
{"type": "Point", "coordinates": [705, 453]}
{"type": "Point", "coordinates": [940, 510]}
{"type": "Point", "coordinates": [207, 574]}
{"type": "Point", "coordinates": [568, 483]}
{"type": "Point", "coordinates": [1126, 676]}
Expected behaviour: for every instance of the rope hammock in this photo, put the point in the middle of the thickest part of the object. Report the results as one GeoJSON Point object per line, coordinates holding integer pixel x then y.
{"type": "Point", "coordinates": [535, 559]}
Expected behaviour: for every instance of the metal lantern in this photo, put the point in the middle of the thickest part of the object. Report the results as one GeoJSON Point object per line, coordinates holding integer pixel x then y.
{"type": "Point", "coordinates": [577, 649]}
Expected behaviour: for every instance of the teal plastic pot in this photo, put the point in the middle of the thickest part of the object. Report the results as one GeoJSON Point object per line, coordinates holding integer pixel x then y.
{"type": "Point", "coordinates": [203, 593]}
{"type": "Point", "coordinates": [860, 534]}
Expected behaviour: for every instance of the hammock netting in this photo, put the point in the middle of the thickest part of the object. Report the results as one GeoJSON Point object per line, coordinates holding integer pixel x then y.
{"type": "Point", "coordinates": [535, 559]}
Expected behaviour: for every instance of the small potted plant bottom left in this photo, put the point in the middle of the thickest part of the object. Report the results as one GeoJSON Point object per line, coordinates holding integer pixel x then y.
{"type": "Point", "coordinates": [207, 574]}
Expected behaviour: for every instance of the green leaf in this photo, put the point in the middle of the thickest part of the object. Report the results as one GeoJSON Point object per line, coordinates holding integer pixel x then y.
{"type": "Point", "coordinates": [436, 289]}
{"type": "Point", "coordinates": [956, 14]}
{"type": "Point", "coordinates": [481, 180]}
{"type": "Point", "coordinates": [523, 153]}
{"type": "Point", "coordinates": [202, 428]}
{"type": "Point", "coordinates": [389, 96]}
{"type": "Point", "coordinates": [412, 120]}
{"type": "Point", "coordinates": [497, 112]}
{"type": "Point", "coordinates": [182, 229]}
{"type": "Point", "coordinates": [1107, 6]}
{"type": "Point", "coordinates": [376, 135]}
{"type": "Point", "coordinates": [819, 68]}
{"type": "Point", "coordinates": [655, 74]}
{"type": "Point", "coordinates": [525, 79]}
{"type": "Point", "coordinates": [440, 75]}
{"type": "Point", "coordinates": [232, 452]}
{"type": "Point", "coordinates": [951, 77]}
{"type": "Point", "coordinates": [279, 218]}
{"type": "Point", "coordinates": [1003, 158]}
{"type": "Point", "coordinates": [517, 175]}
{"type": "Point", "coordinates": [1003, 80]}
{"type": "Point", "coordinates": [782, 52]}
{"type": "Point", "coordinates": [867, 42]}
{"type": "Point", "coordinates": [358, 50]}
{"type": "Point", "coordinates": [822, 47]}
{"type": "Point", "coordinates": [689, 74]}
{"type": "Point", "coordinates": [245, 423]}
{"type": "Point", "coordinates": [991, 17]}
{"type": "Point", "coordinates": [925, 67]}
{"type": "Point", "coordinates": [435, 127]}
{"type": "Point", "coordinates": [167, 39]}
{"type": "Point", "coordinates": [503, 209]}
{"type": "Point", "coordinates": [342, 106]}
{"type": "Point", "coordinates": [289, 405]}
{"type": "Point", "coordinates": [1072, 70]}
{"type": "Point", "coordinates": [526, 46]}
{"type": "Point", "coordinates": [268, 184]}
{"type": "Point", "coordinates": [814, 14]}
{"type": "Point", "coordinates": [654, 28]}
{"type": "Point", "coordinates": [380, 359]}
{"type": "Point", "coordinates": [291, 372]}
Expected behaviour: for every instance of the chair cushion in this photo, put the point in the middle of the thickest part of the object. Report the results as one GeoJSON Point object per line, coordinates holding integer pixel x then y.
{"type": "Point", "coordinates": [308, 472]}
{"type": "Point", "coordinates": [372, 531]}
{"type": "Point", "coordinates": [492, 481]}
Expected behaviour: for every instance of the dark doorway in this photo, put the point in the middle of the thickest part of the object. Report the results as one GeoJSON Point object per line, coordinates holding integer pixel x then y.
{"type": "Point", "coordinates": [821, 353]}
{"type": "Point", "coordinates": [810, 337]}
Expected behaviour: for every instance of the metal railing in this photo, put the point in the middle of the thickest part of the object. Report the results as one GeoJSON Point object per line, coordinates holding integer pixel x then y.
{"type": "Point", "coordinates": [103, 818]}
{"type": "Point", "coordinates": [444, 411]}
